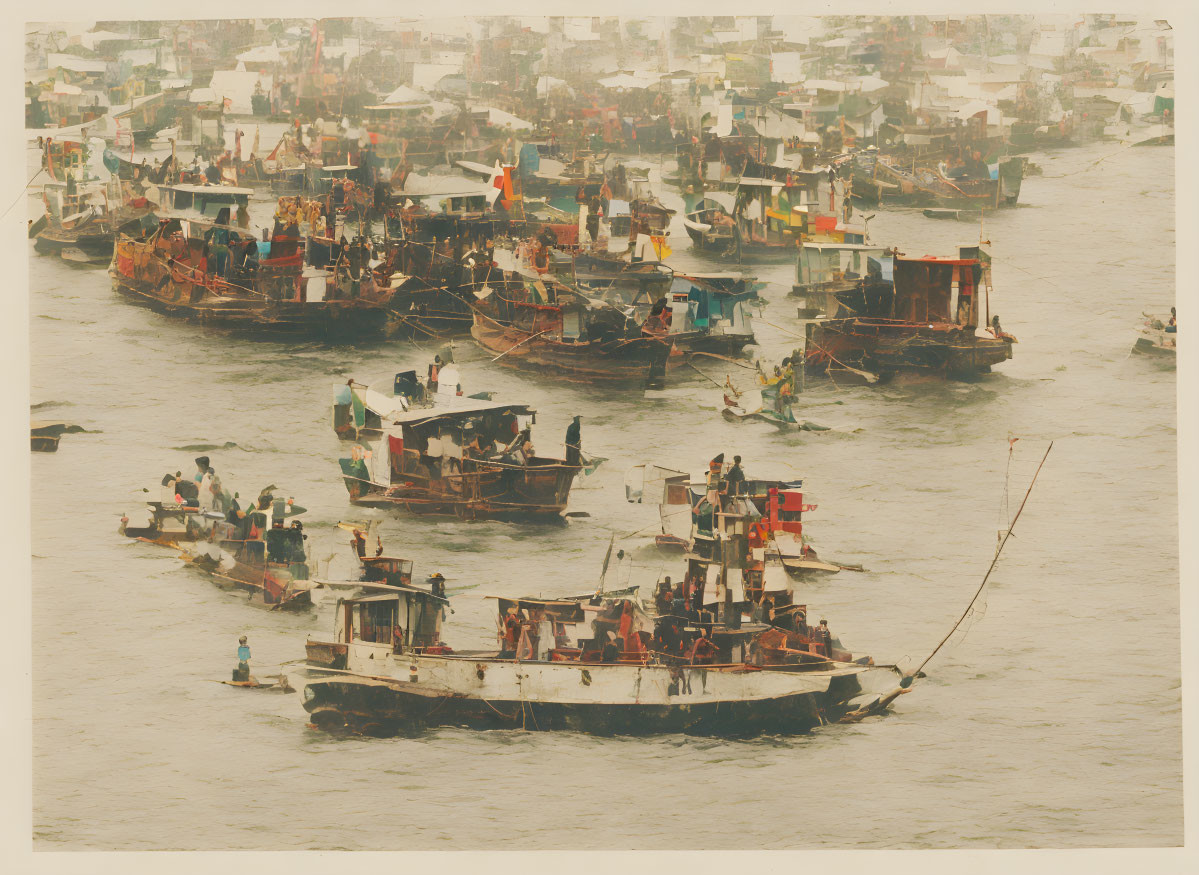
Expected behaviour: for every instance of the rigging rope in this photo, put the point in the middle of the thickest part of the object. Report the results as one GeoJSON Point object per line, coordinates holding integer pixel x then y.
{"type": "Point", "coordinates": [991, 568]}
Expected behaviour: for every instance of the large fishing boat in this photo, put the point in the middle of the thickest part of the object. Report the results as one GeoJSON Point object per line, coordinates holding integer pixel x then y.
{"type": "Point", "coordinates": [768, 220]}
{"type": "Point", "coordinates": [475, 461]}
{"type": "Point", "coordinates": [80, 222]}
{"type": "Point", "coordinates": [724, 659]}
{"type": "Point", "coordinates": [878, 180]}
{"type": "Point", "coordinates": [220, 275]}
{"type": "Point", "coordinates": [566, 334]}
{"type": "Point", "coordinates": [929, 325]}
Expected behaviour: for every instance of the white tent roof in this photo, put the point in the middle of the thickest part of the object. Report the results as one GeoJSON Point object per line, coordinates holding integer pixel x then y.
{"type": "Point", "coordinates": [870, 83]}
{"type": "Point", "coordinates": [974, 107]}
{"type": "Point", "coordinates": [628, 81]}
{"type": "Point", "coordinates": [499, 118]}
{"type": "Point", "coordinates": [428, 75]}
{"type": "Point", "coordinates": [405, 96]}
{"type": "Point", "coordinates": [262, 54]}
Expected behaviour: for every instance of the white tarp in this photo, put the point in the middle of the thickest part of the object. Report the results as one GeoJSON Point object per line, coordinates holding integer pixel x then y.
{"type": "Point", "coordinates": [405, 96]}
{"type": "Point", "coordinates": [724, 120]}
{"type": "Point", "coordinates": [869, 84]}
{"type": "Point", "coordinates": [501, 119]}
{"type": "Point", "coordinates": [786, 67]}
{"type": "Point", "coordinates": [428, 75]}
{"type": "Point", "coordinates": [974, 107]}
{"type": "Point", "coordinates": [238, 87]}
{"type": "Point", "coordinates": [262, 55]}
{"type": "Point", "coordinates": [628, 81]}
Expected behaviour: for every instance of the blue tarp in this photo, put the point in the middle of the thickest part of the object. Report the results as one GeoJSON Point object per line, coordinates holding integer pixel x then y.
{"type": "Point", "coordinates": [530, 161]}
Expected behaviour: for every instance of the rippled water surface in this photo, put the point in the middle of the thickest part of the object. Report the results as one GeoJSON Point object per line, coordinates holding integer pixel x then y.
{"type": "Point", "coordinates": [1053, 721]}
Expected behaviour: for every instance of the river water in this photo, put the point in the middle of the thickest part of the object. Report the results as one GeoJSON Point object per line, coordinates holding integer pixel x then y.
{"type": "Point", "coordinates": [1052, 720]}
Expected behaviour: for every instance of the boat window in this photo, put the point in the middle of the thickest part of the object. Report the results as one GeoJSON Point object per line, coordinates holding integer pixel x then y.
{"type": "Point", "coordinates": [374, 621]}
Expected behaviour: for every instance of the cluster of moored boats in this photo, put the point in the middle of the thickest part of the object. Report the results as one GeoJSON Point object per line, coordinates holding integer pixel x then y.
{"type": "Point", "coordinates": [478, 197]}
{"type": "Point", "coordinates": [726, 649]}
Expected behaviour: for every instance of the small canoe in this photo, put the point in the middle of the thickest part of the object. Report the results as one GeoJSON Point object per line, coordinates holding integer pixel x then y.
{"type": "Point", "coordinates": [279, 684]}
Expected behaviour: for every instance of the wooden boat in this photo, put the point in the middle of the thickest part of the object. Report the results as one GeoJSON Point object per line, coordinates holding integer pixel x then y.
{"type": "Point", "coordinates": [203, 198]}
{"type": "Point", "coordinates": [426, 467]}
{"type": "Point", "coordinates": [573, 338]}
{"type": "Point", "coordinates": [775, 508]}
{"type": "Point", "coordinates": [927, 327]}
{"type": "Point", "coordinates": [1157, 338]}
{"type": "Point", "coordinates": [783, 217]}
{"type": "Point", "coordinates": [974, 216]}
{"type": "Point", "coordinates": [888, 182]}
{"type": "Point", "coordinates": [272, 567]}
{"type": "Point", "coordinates": [167, 269]}
{"type": "Point", "coordinates": [361, 413]}
{"type": "Point", "coordinates": [280, 684]}
{"type": "Point", "coordinates": [763, 405]}
{"type": "Point", "coordinates": [80, 225]}
{"type": "Point", "coordinates": [44, 435]}
{"type": "Point", "coordinates": [596, 273]}
{"type": "Point", "coordinates": [172, 525]}
{"type": "Point", "coordinates": [836, 279]}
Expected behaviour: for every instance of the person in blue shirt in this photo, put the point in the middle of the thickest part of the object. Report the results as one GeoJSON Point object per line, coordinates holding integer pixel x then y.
{"type": "Point", "coordinates": [243, 660]}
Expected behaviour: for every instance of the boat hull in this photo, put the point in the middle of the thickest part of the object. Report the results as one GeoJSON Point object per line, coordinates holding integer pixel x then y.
{"type": "Point", "coordinates": [888, 349]}
{"type": "Point", "coordinates": [580, 697]}
{"type": "Point", "coordinates": [619, 361]}
{"type": "Point", "coordinates": [331, 320]}
{"type": "Point", "coordinates": [512, 493]}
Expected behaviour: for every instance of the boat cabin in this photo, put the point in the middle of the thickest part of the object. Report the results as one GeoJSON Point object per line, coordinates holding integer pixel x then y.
{"type": "Point", "coordinates": [938, 290]}
{"type": "Point", "coordinates": [203, 198]}
{"type": "Point", "coordinates": [842, 279]}
{"type": "Point", "coordinates": [401, 620]}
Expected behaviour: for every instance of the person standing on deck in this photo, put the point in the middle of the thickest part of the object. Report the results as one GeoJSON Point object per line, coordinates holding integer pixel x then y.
{"type": "Point", "coordinates": [703, 651]}
{"type": "Point", "coordinates": [664, 597]}
{"type": "Point", "coordinates": [206, 490]}
{"type": "Point", "coordinates": [574, 449]}
{"type": "Point", "coordinates": [434, 374]}
{"type": "Point", "coordinates": [735, 477]}
{"type": "Point", "coordinates": [242, 673]}
{"type": "Point", "coordinates": [611, 652]}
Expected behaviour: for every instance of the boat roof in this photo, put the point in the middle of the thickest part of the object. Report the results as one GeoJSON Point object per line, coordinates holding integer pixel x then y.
{"type": "Point", "coordinates": [413, 417]}
{"type": "Point", "coordinates": [861, 246]}
{"type": "Point", "coordinates": [208, 189]}
{"type": "Point", "coordinates": [937, 259]}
